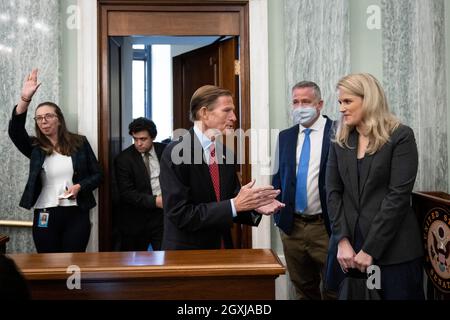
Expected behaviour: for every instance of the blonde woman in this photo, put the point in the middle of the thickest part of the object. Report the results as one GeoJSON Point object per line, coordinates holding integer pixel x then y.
{"type": "Point", "coordinates": [371, 171]}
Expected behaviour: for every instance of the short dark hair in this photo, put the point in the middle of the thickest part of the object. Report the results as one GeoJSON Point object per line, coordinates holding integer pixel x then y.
{"type": "Point", "coordinates": [141, 124]}
{"type": "Point", "coordinates": [309, 84]}
{"type": "Point", "coordinates": [206, 96]}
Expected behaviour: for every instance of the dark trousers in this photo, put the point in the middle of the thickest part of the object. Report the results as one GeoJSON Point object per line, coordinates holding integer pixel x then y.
{"type": "Point", "coordinates": [141, 241]}
{"type": "Point", "coordinates": [68, 230]}
{"type": "Point", "coordinates": [402, 281]}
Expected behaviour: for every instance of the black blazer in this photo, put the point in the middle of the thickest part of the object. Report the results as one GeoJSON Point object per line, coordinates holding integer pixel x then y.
{"type": "Point", "coordinates": [285, 178]}
{"type": "Point", "coordinates": [193, 219]}
{"type": "Point", "coordinates": [138, 209]}
{"type": "Point", "coordinates": [86, 170]}
{"type": "Point", "coordinates": [381, 199]}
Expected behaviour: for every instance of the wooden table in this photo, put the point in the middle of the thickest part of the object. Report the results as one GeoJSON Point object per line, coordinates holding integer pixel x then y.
{"type": "Point", "coordinates": [3, 240]}
{"type": "Point", "coordinates": [199, 274]}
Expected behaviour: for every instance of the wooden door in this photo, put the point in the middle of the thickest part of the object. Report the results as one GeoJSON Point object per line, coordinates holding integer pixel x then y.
{"type": "Point", "coordinates": [169, 18]}
{"type": "Point", "coordinates": [192, 70]}
{"type": "Point", "coordinates": [213, 64]}
{"type": "Point", "coordinates": [115, 91]}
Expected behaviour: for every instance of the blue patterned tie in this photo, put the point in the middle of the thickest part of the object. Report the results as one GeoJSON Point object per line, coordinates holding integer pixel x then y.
{"type": "Point", "coordinates": [301, 198]}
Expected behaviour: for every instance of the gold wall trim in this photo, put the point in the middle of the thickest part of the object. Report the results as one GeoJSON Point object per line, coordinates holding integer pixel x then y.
{"type": "Point", "coordinates": [16, 223]}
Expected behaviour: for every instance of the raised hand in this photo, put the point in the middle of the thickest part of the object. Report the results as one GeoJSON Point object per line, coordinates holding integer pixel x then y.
{"type": "Point", "coordinates": [30, 85]}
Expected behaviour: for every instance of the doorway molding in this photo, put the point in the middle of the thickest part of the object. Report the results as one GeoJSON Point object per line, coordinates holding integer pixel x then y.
{"type": "Point", "coordinates": [93, 84]}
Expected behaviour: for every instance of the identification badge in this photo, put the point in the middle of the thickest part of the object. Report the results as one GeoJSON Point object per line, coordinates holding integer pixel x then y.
{"type": "Point", "coordinates": [43, 219]}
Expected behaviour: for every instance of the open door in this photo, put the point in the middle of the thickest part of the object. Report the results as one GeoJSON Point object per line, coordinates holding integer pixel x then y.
{"type": "Point", "coordinates": [122, 18]}
{"type": "Point", "coordinates": [115, 90]}
{"type": "Point", "coordinates": [212, 64]}
{"type": "Point", "coordinates": [215, 64]}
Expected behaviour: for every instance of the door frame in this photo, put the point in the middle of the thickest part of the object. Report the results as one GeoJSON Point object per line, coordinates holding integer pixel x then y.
{"type": "Point", "coordinates": [118, 9]}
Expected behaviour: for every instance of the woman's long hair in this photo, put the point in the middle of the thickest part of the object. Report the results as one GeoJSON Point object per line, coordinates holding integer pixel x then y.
{"type": "Point", "coordinates": [378, 121]}
{"type": "Point", "coordinates": [68, 143]}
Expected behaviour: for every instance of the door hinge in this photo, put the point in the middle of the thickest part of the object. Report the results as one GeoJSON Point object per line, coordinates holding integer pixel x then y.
{"type": "Point", "coordinates": [237, 67]}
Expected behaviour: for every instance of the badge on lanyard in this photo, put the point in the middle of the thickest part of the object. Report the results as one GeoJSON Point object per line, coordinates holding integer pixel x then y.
{"type": "Point", "coordinates": [43, 218]}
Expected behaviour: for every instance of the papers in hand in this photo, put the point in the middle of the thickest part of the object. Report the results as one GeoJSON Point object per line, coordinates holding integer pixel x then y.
{"type": "Point", "coordinates": [65, 195]}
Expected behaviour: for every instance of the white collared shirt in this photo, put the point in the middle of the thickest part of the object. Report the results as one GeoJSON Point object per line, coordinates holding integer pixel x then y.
{"type": "Point", "coordinates": [154, 171]}
{"type": "Point", "coordinates": [312, 184]}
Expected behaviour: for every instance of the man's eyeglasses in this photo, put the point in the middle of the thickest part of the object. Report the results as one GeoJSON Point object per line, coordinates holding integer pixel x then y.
{"type": "Point", "coordinates": [47, 117]}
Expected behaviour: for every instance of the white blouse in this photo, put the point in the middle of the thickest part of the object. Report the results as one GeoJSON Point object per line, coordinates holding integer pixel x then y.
{"type": "Point", "coordinates": [56, 176]}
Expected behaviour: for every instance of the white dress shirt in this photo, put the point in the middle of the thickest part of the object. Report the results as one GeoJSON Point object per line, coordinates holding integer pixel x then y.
{"type": "Point", "coordinates": [154, 171]}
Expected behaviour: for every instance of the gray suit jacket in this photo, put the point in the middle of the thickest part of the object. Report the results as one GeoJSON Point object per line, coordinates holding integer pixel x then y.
{"type": "Point", "coordinates": [381, 198]}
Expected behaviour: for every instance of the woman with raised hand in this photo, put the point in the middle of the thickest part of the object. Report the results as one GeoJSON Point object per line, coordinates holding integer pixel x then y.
{"type": "Point", "coordinates": [62, 175]}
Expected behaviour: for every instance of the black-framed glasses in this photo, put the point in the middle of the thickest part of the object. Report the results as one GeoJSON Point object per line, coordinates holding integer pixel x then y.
{"type": "Point", "coordinates": [47, 117]}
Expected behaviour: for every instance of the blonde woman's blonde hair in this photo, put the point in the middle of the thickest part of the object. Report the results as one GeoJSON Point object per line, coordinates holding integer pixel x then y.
{"type": "Point", "coordinates": [378, 121]}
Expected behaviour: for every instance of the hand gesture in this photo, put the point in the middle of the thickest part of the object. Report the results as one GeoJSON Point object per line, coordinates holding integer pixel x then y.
{"type": "Point", "coordinates": [73, 190]}
{"type": "Point", "coordinates": [270, 208]}
{"type": "Point", "coordinates": [250, 198]}
{"type": "Point", "coordinates": [159, 201]}
{"type": "Point", "coordinates": [30, 85]}
{"type": "Point", "coordinates": [363, 261]}
{"type": "Point", "coordinates": [345, 255]}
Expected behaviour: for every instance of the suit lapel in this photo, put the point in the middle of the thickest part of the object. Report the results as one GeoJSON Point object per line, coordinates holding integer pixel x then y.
{"type": "Point", "coordinates": [159, 148]}
{"type": "Point", "coordinates": [137, 157]}
{"type": "Point", "coordinates": [352, 166]}
{"type": "Point", "coordinates": [74, 157]}
{"type": "Point", "coordinates": [291, 151]}
{"type": "Point", "coordinates": [221, 160]}
{"type": "Point", "coordinates": [365, 170]}
{"type": "Point", "coordinates": [325, 144]}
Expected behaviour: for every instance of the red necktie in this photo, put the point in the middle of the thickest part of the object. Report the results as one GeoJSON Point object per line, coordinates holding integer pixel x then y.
{"type": "Point", "coordinates": [214, 170]}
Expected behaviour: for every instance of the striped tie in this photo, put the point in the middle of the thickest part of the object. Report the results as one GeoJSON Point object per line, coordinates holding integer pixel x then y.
{"type": "Point", "coordinates": [214, 170]}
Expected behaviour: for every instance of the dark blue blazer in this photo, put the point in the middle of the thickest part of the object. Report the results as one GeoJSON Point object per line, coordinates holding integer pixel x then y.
{"type": "Point", "coordinates": [285, 178]}
{"type": "Point", "coordinates": [86, 170]}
